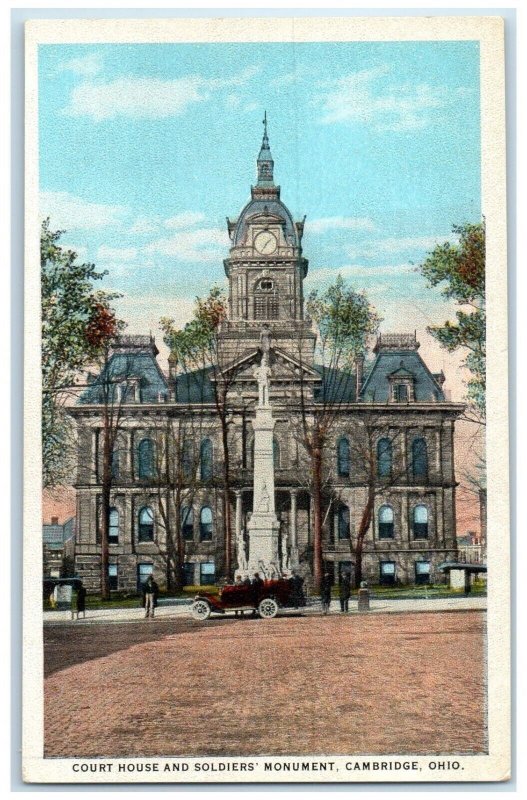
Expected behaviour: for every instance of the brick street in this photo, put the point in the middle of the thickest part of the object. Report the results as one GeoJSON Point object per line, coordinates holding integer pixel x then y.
{"type": "Point", "coordinates": [378, 684]}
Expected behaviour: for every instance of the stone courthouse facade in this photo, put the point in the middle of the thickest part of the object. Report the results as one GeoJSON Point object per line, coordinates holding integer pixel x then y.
{"type": "Point", "coordinates": [167, 463]}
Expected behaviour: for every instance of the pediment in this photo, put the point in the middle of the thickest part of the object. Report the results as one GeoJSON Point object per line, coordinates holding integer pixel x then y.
{"type": "Point", "coordinates": [284, 368]}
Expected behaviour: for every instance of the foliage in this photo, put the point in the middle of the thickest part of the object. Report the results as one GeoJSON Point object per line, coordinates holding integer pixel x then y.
{"type": "Point", "coordinates": [459, 269]}
{"type": "Point", "coordinates": [195, 342]}
{"type": "Point", "coordinates": [345, 321]}
{"type": "Point", "coordinates": [76, 322]}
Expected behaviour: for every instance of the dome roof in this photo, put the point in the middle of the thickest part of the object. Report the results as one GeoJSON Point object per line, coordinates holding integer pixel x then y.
{"type": "Point", "coordinates": [271, 207]}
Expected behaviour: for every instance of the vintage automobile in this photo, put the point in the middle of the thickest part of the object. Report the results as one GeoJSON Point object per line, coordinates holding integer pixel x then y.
{"type": "Point", "coordinates": [266, 599]}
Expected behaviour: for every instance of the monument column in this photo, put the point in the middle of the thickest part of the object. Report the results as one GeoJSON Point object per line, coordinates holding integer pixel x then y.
{"type": "Point", "coordinates": [293, 561]}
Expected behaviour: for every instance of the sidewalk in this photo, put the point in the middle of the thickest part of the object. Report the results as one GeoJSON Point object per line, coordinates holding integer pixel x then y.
{"type": "Point", "coordinates": [169, 609]}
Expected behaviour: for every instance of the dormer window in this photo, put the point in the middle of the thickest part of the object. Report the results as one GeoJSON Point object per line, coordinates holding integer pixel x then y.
{"type": "Point", "coordinates": [401, 385]}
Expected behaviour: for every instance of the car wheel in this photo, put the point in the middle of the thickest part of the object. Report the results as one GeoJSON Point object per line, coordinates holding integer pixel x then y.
{"type": "Point", "coordinates": [200, 610]}
{"type": "Point", "coordinates": [268, 608]}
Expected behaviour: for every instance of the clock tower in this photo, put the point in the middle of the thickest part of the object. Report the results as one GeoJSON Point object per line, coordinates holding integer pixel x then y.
{"type": "Point", "coordinates": [265, 267]}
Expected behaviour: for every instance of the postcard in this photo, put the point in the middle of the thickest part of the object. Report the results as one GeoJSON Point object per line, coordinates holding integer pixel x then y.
{"type": "Point", "coordinates": [266, 401]}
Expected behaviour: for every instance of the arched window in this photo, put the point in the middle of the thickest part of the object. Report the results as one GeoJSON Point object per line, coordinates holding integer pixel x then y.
{"type": "Point", "coordinates": [187, 459]}
{"type": "Point", "coordinates": [420, 522]}
{"type": "Point", "coordinates": [205, 524]}
{"type": "Point", "coordinates": [146, 524]}
{"type": "Point", "coordinates": [276, 453]}
{"type": "Point", "coordinates": [265, 300]}
{"type": "Point", "coordinates": [419, 458]}
{"type": "Point", "coordinates": [384, 458]}
{"type": "Point", "coordinates": [113, 526]}
{"type": "Point", "coordinates": [343, 458]}
{"type": "Point", "coordinates": [115, 462]}
{"type": "Point", "coordinates": [386, 522]}
{"type": "Point", "coordinates": [205, 460]}
{"type": "Point", "coordinates": [187, 523]}
{"type": "Point", "coordinates": [343, 522]}
{"type": "Point", "coordinates": [145, 453]}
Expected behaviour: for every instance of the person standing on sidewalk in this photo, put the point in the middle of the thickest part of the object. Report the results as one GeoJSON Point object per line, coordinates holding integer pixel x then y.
{"type": "Point", "coordinates": [78, 602]}
{"type": "Point", "coordinates": [150, 593]}
{"type": "Point", "coordinates": [325, 592]}
{"type": "Point", "coordinates": [344, 592]}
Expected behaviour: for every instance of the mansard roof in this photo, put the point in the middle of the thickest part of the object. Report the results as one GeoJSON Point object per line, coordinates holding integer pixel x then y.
{"type": "Point", "coordinates": [407, 363]}
{"type": "Point", "coordinates": [132, 360]}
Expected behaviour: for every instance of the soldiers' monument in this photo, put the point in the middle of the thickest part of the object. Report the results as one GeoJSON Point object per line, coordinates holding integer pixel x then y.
{"type": "Point", "coordinates": [263, 527]}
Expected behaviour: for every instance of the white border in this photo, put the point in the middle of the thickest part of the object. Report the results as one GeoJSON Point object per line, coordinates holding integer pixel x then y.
{"type": "Point", "coordinates": [489, 31]}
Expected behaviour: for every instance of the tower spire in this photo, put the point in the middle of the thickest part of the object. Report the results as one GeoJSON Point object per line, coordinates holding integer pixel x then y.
{"type": "Point", "coordinates": [265, 161]}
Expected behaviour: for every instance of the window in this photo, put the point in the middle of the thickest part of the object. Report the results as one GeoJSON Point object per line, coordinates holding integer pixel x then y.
{"type": "Point", "coordinates": [205, 524]}
{"type": "Point", "coordinates": [187, 523]}
{"type": "Point", "coordinates": [207, 573]}
{"type": "Point", "coordinates": [188, 573]}
{"type": "Point", "coordinates": [384, 458]}
{"type": "Point", "coordinates": [265, 285]}
{"type": "Point", "coordinates": [276, 453]}
{"type": "Point", "coordinates": [401, 392]}
{"type": "Point", "coordinates": [343, 522]}
{"type": "Point", "coordinates": [115, 463]}
{"type": "Point", "coordinates": [113, 526]}
{"type": "Point", "coordinates": [143, 573]}
{"type": "Point", "coordinates": [343, 458]}
{"type": "Point", "coordinates": [146, 458]}
{"type": "Point", "coordinates": [265, 306]}
{"type": "Point", "coordinates": [386, 522]}
{"type": "Point", "coordinates": [146, 524]}
{"type": "Point", "coordinates": [420, 522]}
{"type": "Point", "coordinates": [112, 576]}
{"type": "Point", "coordinates": [387, 570]}
{"type": "Point", "coordinates": [419, 459]}
{"type": "Point", "coordinates": [187, 459]}
{"type": "Point", "coordinates": [422, 572]}
{"type": "Point", "coordinates": [205, 460]}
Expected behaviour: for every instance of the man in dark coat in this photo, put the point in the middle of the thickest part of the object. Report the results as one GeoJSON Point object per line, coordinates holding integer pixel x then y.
{"type": "Point", "coordinates": [297, 591]}
{"type": "Point", "coordinates": [344, 591]}
{"type": "Point", "coordinates": [325, 592]}
{"type": "Point", "coordinates": [256, 588]}
{"type": "Point", "coordinates": [78, 605]}
{"type": "Point", "coordinates": [150, 593]}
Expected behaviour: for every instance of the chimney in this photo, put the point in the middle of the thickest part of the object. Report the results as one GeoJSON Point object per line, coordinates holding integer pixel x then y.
{"type": "Point", "coordinates": [359, 368]}
{"type": "Point", "coordinates": [54, 520]}
{"type": "Point", "coordinates": [172, 366]}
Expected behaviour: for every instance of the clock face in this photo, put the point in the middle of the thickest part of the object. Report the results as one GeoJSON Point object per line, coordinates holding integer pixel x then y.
{"type": "Point", "coordinates": [265, 242]}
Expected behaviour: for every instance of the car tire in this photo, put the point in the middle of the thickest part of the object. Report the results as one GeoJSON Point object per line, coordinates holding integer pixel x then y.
{"type": "Point", "coordinates": [200, 610]}
{"type": "Point", "coordinates": [268, 608]}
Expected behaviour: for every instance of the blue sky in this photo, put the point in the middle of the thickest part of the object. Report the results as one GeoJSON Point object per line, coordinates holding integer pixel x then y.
{"type": "Point", "coordinates": [145, 149]}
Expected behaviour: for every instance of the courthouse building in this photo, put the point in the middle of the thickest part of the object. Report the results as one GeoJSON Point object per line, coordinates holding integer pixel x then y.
{"type": "Point", "coordinates": [168, 462]}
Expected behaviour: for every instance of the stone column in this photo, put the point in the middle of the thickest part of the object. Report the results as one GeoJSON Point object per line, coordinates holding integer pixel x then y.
{"type": "Point", "coordinates": [293, 560]}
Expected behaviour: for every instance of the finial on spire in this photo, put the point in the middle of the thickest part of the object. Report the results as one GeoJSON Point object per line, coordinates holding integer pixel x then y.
{"type": "Point", "coordinates": [265, 159]}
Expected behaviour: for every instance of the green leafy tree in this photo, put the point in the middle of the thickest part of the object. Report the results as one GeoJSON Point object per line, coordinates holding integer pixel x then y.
{"type": "Point", "coordinates": [77, 322]}
{"type": "Point", "coordinates": [459, 270]}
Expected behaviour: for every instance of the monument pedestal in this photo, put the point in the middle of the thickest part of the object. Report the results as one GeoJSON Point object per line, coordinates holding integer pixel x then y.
{"type": "Point", "coordinates": [264, 530]}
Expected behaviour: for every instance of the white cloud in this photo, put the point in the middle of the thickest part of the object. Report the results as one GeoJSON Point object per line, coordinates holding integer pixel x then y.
{"type": "Point", "coordinates": [396, 245]}
{"type": "Point", "coordinates": [146, 98]}
{"type": "Point", "coordinates": [360, 97]}
{"type": "Point", "coordinates": [69, 212]}
{"type": "Point", "coordinates": [184, 220]}
{"type": "Point", "coordinates": [143, 225]}
{"type": "Point", "coordinates": [87, 66]}
{"type": "Point", "coordinates": [349, 223]}
{"type": "Point", "coordinates": [199, 245]}
{"type": "Point", "coordinates": [105, 253]}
